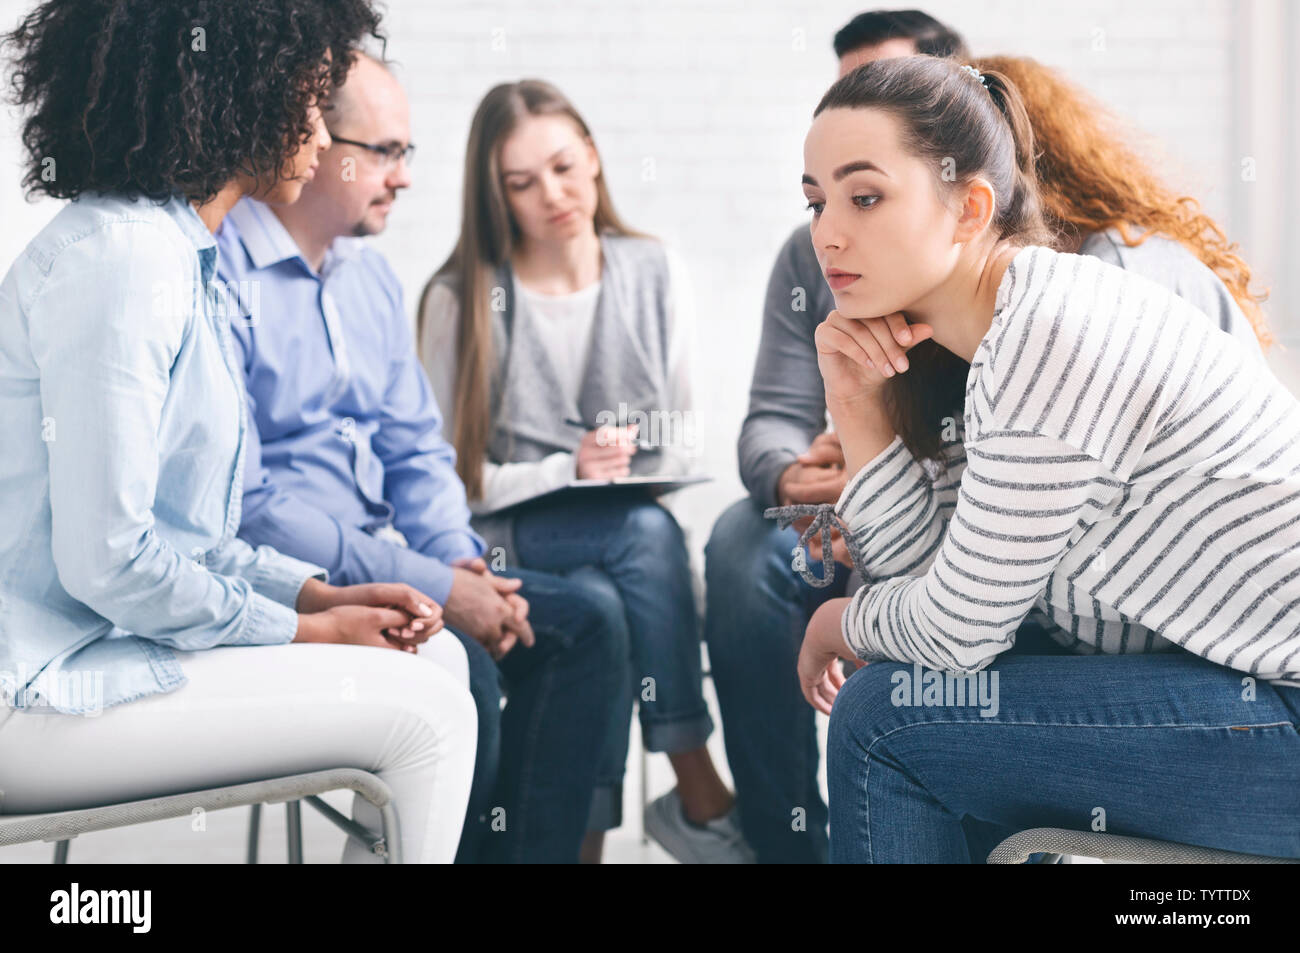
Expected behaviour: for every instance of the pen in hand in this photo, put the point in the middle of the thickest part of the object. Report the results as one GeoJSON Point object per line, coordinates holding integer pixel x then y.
{"type": "Point", "coordinates": [641, 443]}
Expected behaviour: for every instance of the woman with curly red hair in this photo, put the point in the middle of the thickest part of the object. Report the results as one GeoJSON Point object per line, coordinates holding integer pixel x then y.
{"type": "Point", "coordinates": [1092, 181]}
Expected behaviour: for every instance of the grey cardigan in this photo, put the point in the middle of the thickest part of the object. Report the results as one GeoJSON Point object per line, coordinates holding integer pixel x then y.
{"type": "Point", "coordinates": [627, 369]}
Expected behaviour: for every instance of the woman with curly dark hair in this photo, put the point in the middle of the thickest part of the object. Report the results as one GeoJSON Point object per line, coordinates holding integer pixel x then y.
{"type": "Point", "coordinates": [124, 592]}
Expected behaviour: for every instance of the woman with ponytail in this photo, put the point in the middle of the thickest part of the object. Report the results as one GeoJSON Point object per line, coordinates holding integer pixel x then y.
{"type": "Point", "coordinates": [1115, 463]}
{"type": "Point", "coordinates": [1098, 197]}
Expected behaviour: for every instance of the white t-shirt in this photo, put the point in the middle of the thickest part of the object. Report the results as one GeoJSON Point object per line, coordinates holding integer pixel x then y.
{"type": "Point", "coordinates": [564, 320]}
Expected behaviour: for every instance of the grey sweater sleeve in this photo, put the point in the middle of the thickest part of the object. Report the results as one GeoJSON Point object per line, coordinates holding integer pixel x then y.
{"type": "Point", "coordinates": [787, 405]}
{"type": "Point", "coordinates": [1169, 263]}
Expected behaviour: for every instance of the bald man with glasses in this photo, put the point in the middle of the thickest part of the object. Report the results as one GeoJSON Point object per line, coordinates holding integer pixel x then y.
{"type": "Point", "coordinates": [348, 463]}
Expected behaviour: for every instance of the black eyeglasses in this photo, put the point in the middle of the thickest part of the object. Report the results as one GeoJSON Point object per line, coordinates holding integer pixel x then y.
{"type": "Point", "coordinates": [392, 154]}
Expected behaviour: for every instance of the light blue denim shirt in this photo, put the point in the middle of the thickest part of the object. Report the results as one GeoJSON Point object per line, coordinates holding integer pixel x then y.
{"type": "Point", "coordinates": [121, 481]}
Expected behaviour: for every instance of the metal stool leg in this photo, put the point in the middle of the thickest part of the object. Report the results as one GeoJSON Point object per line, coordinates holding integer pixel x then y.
{"type": "Point", "coordinates": [61, 851]}
{"type": "Point", "coordinates": [254, 828]}
{"type": "Point", "coordinates": [293, 821]}
{"type": "Point", "coordinates": [645, 794]}
{"type": "Point", "coordinates": [382, 844]}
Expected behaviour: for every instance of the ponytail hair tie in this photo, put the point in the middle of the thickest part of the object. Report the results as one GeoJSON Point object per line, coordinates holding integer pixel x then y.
{"type": "Point", "coordinates": [977, 74]}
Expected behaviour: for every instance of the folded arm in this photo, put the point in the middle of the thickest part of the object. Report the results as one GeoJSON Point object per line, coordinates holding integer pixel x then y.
{"type": "Point", "coordinates": [897, 511]}
{"type": "Point", "coordinates": [285, 521]}
{"type": "Point", "coordinates": [1019, 500]}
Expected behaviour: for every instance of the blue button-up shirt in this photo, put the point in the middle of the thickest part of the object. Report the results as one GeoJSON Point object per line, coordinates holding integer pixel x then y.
{"type": "Point", "coordinates": [120, 484]}
{"type": "Point", "coordinates": [350, 435]}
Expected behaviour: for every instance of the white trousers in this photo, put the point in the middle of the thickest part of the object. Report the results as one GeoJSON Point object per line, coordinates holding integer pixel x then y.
{"type": "Point", "coordinates": [253, 712]}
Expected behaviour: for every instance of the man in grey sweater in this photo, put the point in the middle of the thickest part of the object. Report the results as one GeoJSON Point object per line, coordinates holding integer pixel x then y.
{"type": "Point", "coordinates": [757, 605]}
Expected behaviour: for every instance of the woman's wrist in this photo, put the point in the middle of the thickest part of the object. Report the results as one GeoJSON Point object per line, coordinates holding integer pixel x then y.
{"type": "Point", "coordinates": [866, 403]}
{"type": "Point", "coordinates": [828, 632]}
{"type": "Point", "coordinates": [864, 428]}
{"type": "Point", "coordinates": [314, 596]}
{"type": "Point", "coordinates": [308, 628]}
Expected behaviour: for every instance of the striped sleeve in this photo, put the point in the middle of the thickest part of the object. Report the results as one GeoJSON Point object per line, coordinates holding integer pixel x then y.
{"type": "Point", "coordinates": [1020, 499]}
{"type": "Point", "coordinates": [896, 510]}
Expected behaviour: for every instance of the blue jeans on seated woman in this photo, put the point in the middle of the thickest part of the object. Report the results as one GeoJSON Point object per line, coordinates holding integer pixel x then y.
{"type": "Point", "coordinates": [1166, 746]}
{"type": "Point", "coordinates": [630, 554]}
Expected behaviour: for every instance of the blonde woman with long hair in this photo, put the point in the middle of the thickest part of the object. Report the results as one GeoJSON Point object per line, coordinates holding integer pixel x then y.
{"type": "Point", "coordinates": [551, 334]}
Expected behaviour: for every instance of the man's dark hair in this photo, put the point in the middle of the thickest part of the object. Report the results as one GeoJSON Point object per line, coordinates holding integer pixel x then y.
{"type": "Point", "coordinates": [153, 98]}
{"type": "Point", "coordinates": [931, 37]}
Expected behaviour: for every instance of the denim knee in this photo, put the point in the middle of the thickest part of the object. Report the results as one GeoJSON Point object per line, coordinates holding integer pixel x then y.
{"type": "Point", "coordinates": [597, 622]}
{"type": "Point", "coordinates": [864, 711]}
{"type": "Point", "coordinates": [602, 610]}
{"type": "Point", "coordinates": [731, 540]}
{"type": "Point", "coordinates": [751, 592]}
{"type": "Point", "coordinates": [650, 521]}
{"type": "Point", "coordinates": [650, 535]}
{"type": "Point", "coordinates": [744, 547]}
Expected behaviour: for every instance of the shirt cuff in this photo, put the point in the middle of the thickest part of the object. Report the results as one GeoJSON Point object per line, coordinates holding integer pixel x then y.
{"type": "Point", "coordinates": [268, 622]}
{"type": "Point", "coordinates": [282, 578]}
{"type": "Point", "coordinates": [861, 646]}
{"type": "Point", "coordinates": [459, 545]}
{"type": "Point", "coordinates": [886, 481]}
{"type": "Point", "coordinates": [767, 475]}
{"type": "Point", "coordinates": [438, 584]}
{"type": "Point", "coordinates": [526, 481]}
{"type": "Point", "coordinates": [560, 467]}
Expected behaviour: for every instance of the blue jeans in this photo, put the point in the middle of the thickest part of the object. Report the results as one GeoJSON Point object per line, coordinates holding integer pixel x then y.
{"type": "Point", "coordinates": [629, 556]}
{"type": "Point", "coordinates": [1166, 746]}
{"type": "Point", "coordinates": [537, 760]}
{"type": "Point", "coordinates": [757, 610]}
{"type": "Point", "coordinates": [485, 688]}
{"type": "Point", "coordinates": [757, 607]}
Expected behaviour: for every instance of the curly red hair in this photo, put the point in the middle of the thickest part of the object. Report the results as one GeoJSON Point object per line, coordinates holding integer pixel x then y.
{"type": "Point", "coordinates": [1090, 180]}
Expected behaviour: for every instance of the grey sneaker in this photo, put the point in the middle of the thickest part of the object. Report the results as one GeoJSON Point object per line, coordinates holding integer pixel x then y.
{"type": "Point", "coordinates": [717, 842]}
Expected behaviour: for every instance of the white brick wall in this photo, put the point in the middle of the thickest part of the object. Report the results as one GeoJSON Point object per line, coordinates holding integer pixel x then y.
{"type": "Point", "coordinates": [718, 94]}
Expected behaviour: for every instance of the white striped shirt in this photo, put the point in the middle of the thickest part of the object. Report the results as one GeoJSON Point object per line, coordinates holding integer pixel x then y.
{"type": "Point", "coordinates": [1124, 467]}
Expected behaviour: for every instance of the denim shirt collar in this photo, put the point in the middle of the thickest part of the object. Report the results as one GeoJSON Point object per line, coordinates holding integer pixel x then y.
{"type": "Point", "coordinates": [181, 212]}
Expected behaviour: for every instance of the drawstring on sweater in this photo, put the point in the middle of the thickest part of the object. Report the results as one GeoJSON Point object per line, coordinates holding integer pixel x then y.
{"type": "Point", "coordinates": [824, 519]}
